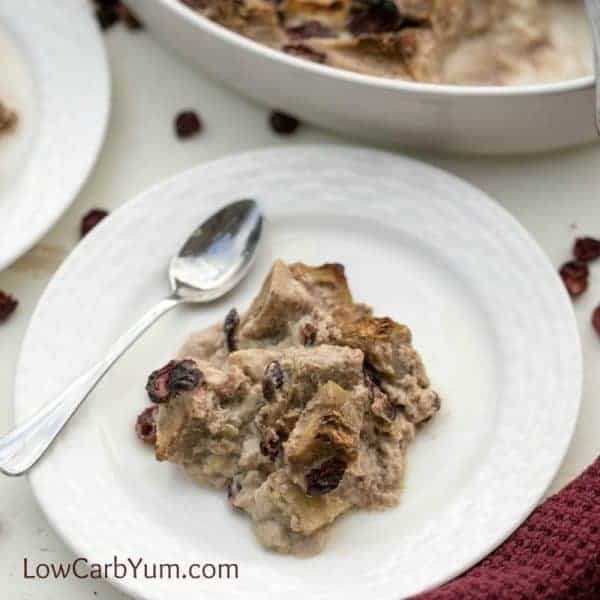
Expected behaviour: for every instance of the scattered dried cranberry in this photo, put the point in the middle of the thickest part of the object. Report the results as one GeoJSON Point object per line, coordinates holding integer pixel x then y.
{"type": "Point", "coordinates": [374, 16]}
{"type": "Point", "coordinates": [232, 320]}
{"type": "Point", "coordinates": [586, 249]}
{"type": "Point", "coordinates": [326, 477]}
{"type": "Point", "coordinates": [305, 52]}
{"type": "Point", "coordinates": [272, 380]}
{"type": "Point", "coordinates": [310, 29]}
{"type": "Point", "coordinates": [7, 306]}
{"type": "Point", "coordinates": [187, 124]}
{"type": "Point", "coordinates": [575, 277]}
{"type": "Point", "coordinates": [176, 376]}
{"type": "Point", "coordinates": [596, 319]}
{"type": "Point", "coordinates": [145, 426]}
{"type": "Point", "coordinates": [282, 123]}
{"type": "Point", "coordinates": [91, 219]}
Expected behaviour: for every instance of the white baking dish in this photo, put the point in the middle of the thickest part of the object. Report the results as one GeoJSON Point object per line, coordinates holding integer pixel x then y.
{"type": "Point", "coordinates": [490, 120]}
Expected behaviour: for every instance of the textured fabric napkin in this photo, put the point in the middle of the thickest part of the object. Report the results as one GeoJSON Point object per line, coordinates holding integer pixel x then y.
{"type": "Point", "coordinates": [554, 555]}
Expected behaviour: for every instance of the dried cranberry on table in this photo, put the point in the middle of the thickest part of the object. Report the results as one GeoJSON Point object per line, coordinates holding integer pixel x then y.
{"type": "Point", "coordinates": [91, 219]}
{"type": "Point", "coordinates": [586, 249]}
{"type": "Point", "coordinates": [575, 276]}
{"type": "Point", "coordinates": [282, 123]}
{"type": "Point", "coordinates": [145, 426]}
{"type": "Point", "coordinates": [176, 376]}
{"type": "Point", "coordinates": [8, 305]}
{"type": "Point", "coordinates": [596, 319]}
{"type": "Point", "coordinates": [187, 124]}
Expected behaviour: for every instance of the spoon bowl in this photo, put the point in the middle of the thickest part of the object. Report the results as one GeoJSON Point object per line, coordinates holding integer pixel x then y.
{"type": "Point", "coordinates": [218, 254]}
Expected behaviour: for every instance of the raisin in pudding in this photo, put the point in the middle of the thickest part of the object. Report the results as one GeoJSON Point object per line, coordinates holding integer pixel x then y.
{"type": "Point", "coordinates": [301, 408]}
{"type": "Point", "coordinates": [486, 42]}
{"type": "Point", "coordinates": [8, 119]}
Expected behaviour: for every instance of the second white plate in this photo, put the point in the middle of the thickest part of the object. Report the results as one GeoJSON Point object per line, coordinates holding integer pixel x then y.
{"type": "Point", "coordinates": [488, 313]}
{"type": "Point", "coordinates": [55, 75]}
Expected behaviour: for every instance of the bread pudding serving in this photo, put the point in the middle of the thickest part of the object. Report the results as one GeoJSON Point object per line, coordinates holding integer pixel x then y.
{"type": "Point", "coordinates": [301, 408]}
{"type": "Point", "coordinates": [487, 42]}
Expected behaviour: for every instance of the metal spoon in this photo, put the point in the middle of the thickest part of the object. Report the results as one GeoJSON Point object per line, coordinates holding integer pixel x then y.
{"type": "Point", "coordinates": [593, 10]}
{"type": "Point", "coordinates": [213, 260]}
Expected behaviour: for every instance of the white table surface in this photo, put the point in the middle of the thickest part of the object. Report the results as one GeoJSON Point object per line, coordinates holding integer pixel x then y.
{"type": "Point", "coordinates": [555, 196]}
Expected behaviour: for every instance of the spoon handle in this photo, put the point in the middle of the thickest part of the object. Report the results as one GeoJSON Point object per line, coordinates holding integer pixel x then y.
{"type": "Point", "coordinates": [593, 10]}
{"type": "Point", "coordinates": [21, 448]}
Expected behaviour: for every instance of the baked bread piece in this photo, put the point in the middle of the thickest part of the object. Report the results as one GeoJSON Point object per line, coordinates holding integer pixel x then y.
{"type": "Point", "coordinates": [302, 408]}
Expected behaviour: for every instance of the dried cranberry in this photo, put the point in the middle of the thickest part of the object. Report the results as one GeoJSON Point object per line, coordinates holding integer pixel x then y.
{"type": "Point", "coordinates": [575, 277]}
{"type": "Point", "coordinates": [586, 249]}
{"type": "Point", "coordinates": [185, 376]}
{"type": "Point", "coordinates": [107, 16]}
{"type": "Point", "coordinates": [187, 124]}
{"type": "Point", "coordinates": [270, 445]}
{"type": "Point", "coordinates": [305, 52]}
{"type": "Point", "coordinates": [326, 477]}
{"type": "Point", "coordinates": [234, 487]}
{"type": "Point", "coordinates": [309, 29]}
{"type": "Point", "coordinates": [145, 426]}
{"type": "Point", "coordinates": [282, 123]}
{"type": "Point", "coordinates": [8, 304]}
{"type": "Point", "coordinates": [91, 219]}
{"type": "Point", "coordinates": [596, 319]}
{"type": "Point", "coordinates": [232, 321]}
{"type": "Point", "coordinates": [272, 380]}
{"type": "Point", "coordinates": [308, 334]}
{"type": "Point", "coordinates": [176, 376]}
{"type": "Point", "coordinates": [374, 16]}
{"type": "Point", "coordinates": [371, 375]}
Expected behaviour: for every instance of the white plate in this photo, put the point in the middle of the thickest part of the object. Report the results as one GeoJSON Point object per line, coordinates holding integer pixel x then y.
{"type": "Point", "coordinates": [54, 73]}
{"type": "Point", "coordinates": [489, 315]}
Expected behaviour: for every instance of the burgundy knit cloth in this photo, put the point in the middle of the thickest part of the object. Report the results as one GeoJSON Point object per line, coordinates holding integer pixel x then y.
{"type": "Point", "coordinates": [554, 555]}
